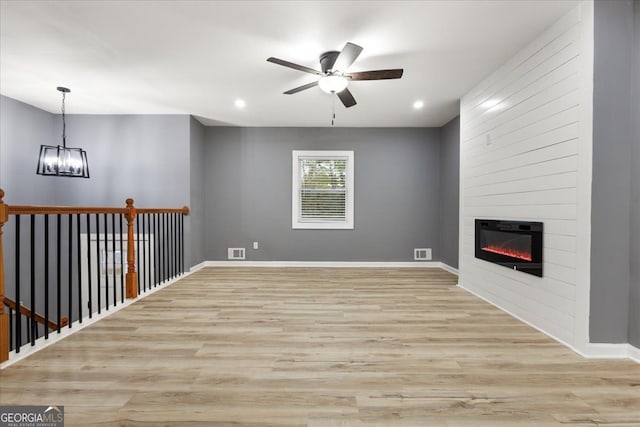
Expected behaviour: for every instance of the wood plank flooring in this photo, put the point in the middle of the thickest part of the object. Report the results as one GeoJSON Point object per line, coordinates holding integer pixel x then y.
{"type": "Point", "coordinates": [320, 347]}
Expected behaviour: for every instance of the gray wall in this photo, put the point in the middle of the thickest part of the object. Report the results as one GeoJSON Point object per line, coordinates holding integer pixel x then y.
{"type": "Point", "coordinates": [197, 193]}
{"type": "Point", "coordinates": [139, 156]}
{"type": "Point", "coordinates": [634, 294]}
{"type": "Point", "coordinates": [22, 129]}
{"type": "Point", "coordinates": [612, 141]}
{"type": "Point", "coordinates": [248, 193]}
{"type": "Point", "coordinates": [449, 190]}
{"type": "Point", "coordinates": [143, 157]}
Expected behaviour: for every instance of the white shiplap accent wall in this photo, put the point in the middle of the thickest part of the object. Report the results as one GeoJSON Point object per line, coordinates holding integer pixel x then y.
{"type": "Point", "coordinates": [526, 155]}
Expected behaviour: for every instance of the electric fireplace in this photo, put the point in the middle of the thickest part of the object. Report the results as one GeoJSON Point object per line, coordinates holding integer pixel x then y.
{"type": "Point", "coordinates": [513, 244]}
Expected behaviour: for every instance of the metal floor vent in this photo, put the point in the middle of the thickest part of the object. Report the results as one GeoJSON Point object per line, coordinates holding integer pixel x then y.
{"type": "Point", "coordinates": [235, 253]}
{"type": "Point", "coordinates": [422, 254]}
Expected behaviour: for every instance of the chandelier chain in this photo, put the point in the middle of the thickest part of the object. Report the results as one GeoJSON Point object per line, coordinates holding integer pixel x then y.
{"type": "Point", "coordinates": [64, 124]}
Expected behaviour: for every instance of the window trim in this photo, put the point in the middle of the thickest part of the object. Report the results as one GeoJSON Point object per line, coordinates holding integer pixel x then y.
{"type": "Point", "coordinates": [297, 155]}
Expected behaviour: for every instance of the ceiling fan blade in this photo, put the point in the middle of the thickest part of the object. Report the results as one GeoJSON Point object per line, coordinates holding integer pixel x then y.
{"type": "Point", "coordinates": [347, 98]}
{"type": "Point", "coordinates": [349, 54]}
{"type": "Point", "coordinates": [301, 88]}
{"type": "Point", "coordinates": [376, 74]}
{"type": "Point", "coordinates": [292, 65]}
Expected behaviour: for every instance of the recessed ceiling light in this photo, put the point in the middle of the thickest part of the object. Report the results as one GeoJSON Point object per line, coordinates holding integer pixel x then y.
{"type": "Point", "coordinates": [490, 103]}
{"type": "Point", "coordinates": [240, 103]}
{"type": "Point", "coordinates": [418, 104]}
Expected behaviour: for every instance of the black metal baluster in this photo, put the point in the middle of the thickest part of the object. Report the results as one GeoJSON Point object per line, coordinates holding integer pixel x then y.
{"type": "Point", "coordinates": [154, 249]}
{"type": "Point", "coordinates": [138, 250]}
{"type": "Point", "coordinates": [145, 246]}
{"type": "Point", "coordinates": [161, 246]}
{"type": "Point", "coordinates": [26, 318]}
{"type": "Point", "coordinates": [169, 248]}
{"type": "Point", "coordinates": [12, 345]}
{"type": "Point", "coordinates": [122, 293]}
{"type": "Point", "coordinates": [58, 270]}
{"type": "Point", "coordinates": [172, 241]}
{"type": "Point", "coordinates": [46, 276]}
{"type": "Point", "coordinates": [165, 248]}
{"type": "Point", "coordinates": [79, 265]}
{"type": "Point", "coordinates": [113, 259]}
{"type": "Point", "coordinates": [182, 242]}
{"type": "Point", "coordinates": [18, 316]}
{"type": "Point", "coordinates": [180, 254]}
{"type": "Point", "coordinates": [106, 262]}
{"type": "Point", "coordinates": [70, 306]}
{"type": "Point", "coordinates": [141, 255]}
{"type": "Point", "coordinates": [177, 234]}
{"type": "Point", "coordinates": [149, 249]}
{"type": "Point", "coordinates": [32, 323]}
{"type": "Point", "coordinates": [98, 262]}
{"type": "Point", "coordinates": [174, 235]}
{"type": "Point", "coordinates": [145, 279]}
{"type": "Point", "coordinates": [89, 272]}
{"type": "Point", "coordinates": [176, 246]}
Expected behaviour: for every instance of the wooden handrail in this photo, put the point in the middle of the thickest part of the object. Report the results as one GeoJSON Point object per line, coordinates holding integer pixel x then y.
{"type": "Point", "coordinates": [63, 210]}
{"type": "Point", "coordinates": [130, 212]}
{"type": "Point", "coordinates": [184, 210]}
{"type": "Point", "coordinates": [64, 321]}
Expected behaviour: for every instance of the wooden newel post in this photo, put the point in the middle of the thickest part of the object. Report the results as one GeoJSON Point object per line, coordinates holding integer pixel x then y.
{"type": "Point", "coordinates": [4, 317]}
{"type": "Point", "coordinates": [132, 275]}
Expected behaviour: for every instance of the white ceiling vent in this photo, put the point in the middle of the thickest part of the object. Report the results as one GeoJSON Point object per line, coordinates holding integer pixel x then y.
{"type": "Point", "coordinates": [235, 253]}
{"type": "Point", "coordinates": [422, 254]}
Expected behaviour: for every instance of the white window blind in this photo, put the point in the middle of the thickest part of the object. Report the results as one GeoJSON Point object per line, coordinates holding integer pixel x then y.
{"type": "Point", "coordinates": [323, 189]}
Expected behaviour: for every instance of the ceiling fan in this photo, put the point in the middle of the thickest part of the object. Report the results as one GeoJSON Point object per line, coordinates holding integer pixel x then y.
{"type": "Point", "coordinates": [333, 77]}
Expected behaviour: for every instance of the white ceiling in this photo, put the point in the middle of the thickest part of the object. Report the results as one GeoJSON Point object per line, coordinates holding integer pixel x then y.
{"type": "Point", "coordinates": [198, 57]}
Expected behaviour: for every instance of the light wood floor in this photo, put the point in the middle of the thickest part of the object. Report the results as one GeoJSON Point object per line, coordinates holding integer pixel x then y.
{"type": "Point", "coordinates": [320, 347]}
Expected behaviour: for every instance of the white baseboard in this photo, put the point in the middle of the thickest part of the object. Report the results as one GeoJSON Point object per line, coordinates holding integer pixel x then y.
{"type": "Point", "coordinates": [611, 351]}
{"type": "Point", "coordinates": [605, 351]}
{"type": "Point", "coordinates": [449, 268]}
{"type": "Point", "coordinates": [197, 267]}
{"type": "Point", "coordinates": [589, 350]}
{"type": "Point", "coordinates": [330, 264]}
{"type": "Point", "coordinates": [634, 353]}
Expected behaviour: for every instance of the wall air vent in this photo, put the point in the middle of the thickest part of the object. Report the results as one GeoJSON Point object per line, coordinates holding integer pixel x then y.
{"type": "Point", "coordinates": [422, 254]}
{"type": "Point", "coordinates": [235, 253]}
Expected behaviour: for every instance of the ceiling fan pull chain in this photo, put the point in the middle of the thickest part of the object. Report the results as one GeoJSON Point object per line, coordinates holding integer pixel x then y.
{"type": "Point", "coordinates": [333, 110]}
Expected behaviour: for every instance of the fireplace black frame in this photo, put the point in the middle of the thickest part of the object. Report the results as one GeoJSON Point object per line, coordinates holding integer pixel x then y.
{"type": "Point", "coordinates": [516, 228]}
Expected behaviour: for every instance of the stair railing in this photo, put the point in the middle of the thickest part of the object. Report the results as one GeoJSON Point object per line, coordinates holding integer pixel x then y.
{"type": "Point", "coordinates": [79, 253]}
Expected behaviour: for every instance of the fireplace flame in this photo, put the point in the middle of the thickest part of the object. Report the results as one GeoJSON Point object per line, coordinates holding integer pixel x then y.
{"type": "Point", "coordinates": [513, 253]}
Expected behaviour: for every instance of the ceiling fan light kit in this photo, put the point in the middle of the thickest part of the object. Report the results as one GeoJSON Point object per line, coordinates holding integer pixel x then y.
{"type": "Point", "coordinates": [332, 83]}
{"type": "Point", "coordinates": [333, 78]}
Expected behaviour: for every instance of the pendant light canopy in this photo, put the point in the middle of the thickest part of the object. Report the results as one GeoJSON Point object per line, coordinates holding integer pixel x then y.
{"type": "Point", "coordinates": [60, 160]}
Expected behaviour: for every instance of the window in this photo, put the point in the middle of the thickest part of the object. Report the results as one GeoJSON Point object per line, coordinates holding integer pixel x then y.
{"type": "Point", "coordinates": [322, 190]}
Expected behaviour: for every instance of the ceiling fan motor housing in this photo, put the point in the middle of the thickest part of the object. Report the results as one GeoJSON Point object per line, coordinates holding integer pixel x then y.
{"type": "Point", "coordinates": [327, 60]}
